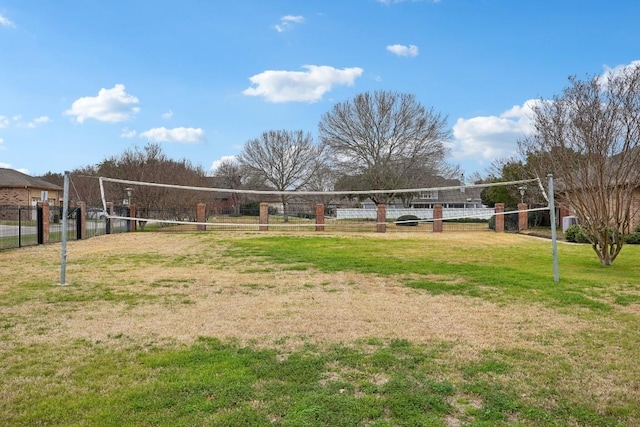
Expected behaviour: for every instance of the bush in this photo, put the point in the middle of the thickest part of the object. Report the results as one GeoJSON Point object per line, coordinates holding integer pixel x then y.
{"type": "Point", "coordinates": [510, 220]}
{"type": "Point", "coordinates": [305, 215]}
{"type": "Point", "coordinates": [410, 220]}
{"type": "Point", "coordinates": [633, 238]}
{"type": "Point", "coordinates": [576, 234]}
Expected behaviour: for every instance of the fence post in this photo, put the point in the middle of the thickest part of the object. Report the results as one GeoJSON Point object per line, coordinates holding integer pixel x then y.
{"type": "Point", "coordinates": [264, 216]}
{"type": "Point", "coordinates": [500, 217]}
{"type": "Point", "coordinates": [81, 221]}
{"type": "Point", "coordinates": [523, 217]}
{"type": "Point", "coordinates": [381, 218]}
{"type": "Point", "coordinates": [132, 213]}
{"type": "Point", "coordinates": [43, 223]}
{"type": "Point", "coordinates": [108, 225]}
{"type": "Point", "coordinates": [319, 217]}
{"type": "Point", "coordinates": [437, 219]}
{"type": "Point", "coordinates": [20, 226]}
{"type": "Point", "coordinates": [201, 215]}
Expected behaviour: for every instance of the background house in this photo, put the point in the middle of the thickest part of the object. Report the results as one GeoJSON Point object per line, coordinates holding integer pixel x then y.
{"type": "Point", "coordinates": [19, 189]}
{"type": "Point", "coordinates": [457, 198]}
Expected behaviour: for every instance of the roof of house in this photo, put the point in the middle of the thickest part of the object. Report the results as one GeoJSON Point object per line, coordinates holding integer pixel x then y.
{"type": "Point", "coordinates": [11, 178]}
{"type": "Point", "coordinates": [453, 195]}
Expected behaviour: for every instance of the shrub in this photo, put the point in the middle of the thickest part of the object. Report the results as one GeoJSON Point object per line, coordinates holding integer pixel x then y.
{"type": "Point", "coordinates": [576, 234]}
{"type": "Point", "coordinates": [410, 220]}
{"type": "Point", "coordinates": [633, 238]}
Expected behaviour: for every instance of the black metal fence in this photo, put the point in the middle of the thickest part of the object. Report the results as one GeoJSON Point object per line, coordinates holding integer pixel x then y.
{"type": "Point", "coordinates": [22, 226]}
{"type": "Point", "coordinates": [18, 226]}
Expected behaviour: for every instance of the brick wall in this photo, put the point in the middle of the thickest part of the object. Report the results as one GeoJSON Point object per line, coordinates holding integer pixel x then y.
{"type": "Point", "coordinates": [14, 197]}
{"type": "Point", "coordinates": [23, 196]}
{"type": "Point", "coordinates": [635, 209]}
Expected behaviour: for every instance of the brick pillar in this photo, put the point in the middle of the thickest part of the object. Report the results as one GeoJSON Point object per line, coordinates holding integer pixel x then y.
{"type": "Point", "coordinates": [523, 217]}
{"type": "Point", "coordinates": [43, 223]}
{"type": "Point", "coordinates": [81, 221]}
{"type": "Point", "coordinates": [437, 219]}
{"type": "Point", "coordinates": [499, 217]}
{"type": "Point", "coordinates": [132, 213]}
{"type": "Point", "coordinates": [319, 217]}
{"type": "Point", "coordinates": [264, 216]}
{"type": "Point", "coordinates": [109, 224]}
{"type": "Point", "coordinates": [381, 218]}
{"type": "Point", "coordinates": [564, 212]}
{"type": "Point", "coordinates": [201, 215]}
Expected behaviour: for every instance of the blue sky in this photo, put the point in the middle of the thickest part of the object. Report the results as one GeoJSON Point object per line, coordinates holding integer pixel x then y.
{"type": "Point", "coordinates": [82, 80]}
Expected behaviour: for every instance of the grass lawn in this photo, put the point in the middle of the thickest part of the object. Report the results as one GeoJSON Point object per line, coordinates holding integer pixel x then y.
{"type": "Point", "coordinates": [249, 329]}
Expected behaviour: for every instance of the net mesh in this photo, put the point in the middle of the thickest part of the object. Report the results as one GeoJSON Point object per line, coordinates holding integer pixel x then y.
{"type": "Point", "coordinates": [169, 207]}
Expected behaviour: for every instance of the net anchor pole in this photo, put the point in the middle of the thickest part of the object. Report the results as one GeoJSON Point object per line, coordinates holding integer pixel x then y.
{"type": "Point", "coordinates": [65, 213]}
{"type": "Point", "coordinates": [554, 240]}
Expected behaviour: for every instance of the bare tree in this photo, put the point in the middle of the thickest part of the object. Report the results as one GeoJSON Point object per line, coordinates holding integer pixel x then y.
{"type": "Point", "coordinates": [589, 137]}
{"type": "Point", "coordinates": [286, 160]}
{"type": "Point", "coordinates": [229, 175]}
{"type": "Point", "coordinates": [150, 164]}
{"type": "Point", "coordinates": [323, 180]}
{"type": "Point", "coordinates": [383, 138]}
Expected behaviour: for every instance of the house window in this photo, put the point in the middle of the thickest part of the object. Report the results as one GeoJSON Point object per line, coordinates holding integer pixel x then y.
{"type": "Point", "coordinates": [429, 195]}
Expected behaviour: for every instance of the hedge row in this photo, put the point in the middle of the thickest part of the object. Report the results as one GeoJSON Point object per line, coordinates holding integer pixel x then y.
{"type": "Point", "coordinates": [577, 234]}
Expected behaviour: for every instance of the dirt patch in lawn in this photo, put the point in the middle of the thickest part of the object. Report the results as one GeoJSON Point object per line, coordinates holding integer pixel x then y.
{"type": "Point", "coordinates": [250, 301]}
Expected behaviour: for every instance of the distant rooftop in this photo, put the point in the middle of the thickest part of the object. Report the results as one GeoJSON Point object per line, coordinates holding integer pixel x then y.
{"type": "Point", "coordinates": [11, 178]}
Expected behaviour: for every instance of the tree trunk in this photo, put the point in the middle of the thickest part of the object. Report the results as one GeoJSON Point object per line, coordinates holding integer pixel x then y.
{"type": "Point", "coordinates": [285, 217]}
{"type": "Point", "coordinates": [607, 250]}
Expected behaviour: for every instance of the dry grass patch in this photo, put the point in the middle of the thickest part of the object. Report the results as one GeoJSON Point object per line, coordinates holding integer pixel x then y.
{"type": "Point", "coordinates": [139, 291]}
{"type": "Point", "coordinates": [217, 297]}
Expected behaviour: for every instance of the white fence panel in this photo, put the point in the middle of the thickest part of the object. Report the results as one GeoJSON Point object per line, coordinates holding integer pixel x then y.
{"type": "Point", "coordinates": [394, 213]}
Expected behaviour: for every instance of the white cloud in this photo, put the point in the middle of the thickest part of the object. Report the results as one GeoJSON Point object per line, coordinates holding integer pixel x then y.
{"type": "Point", "coordinates": [167, 115]}
{"type": "Point", "coordinates": [5, 22]}
{"type": "Point", "coordinates": [287, 22]}
{"type": "Point", "coordinates": [111, 105]}
{"type": "Point", "coordinates": [128, 133]}
{"type": "Point", "coordinates": [41, 119]}
{"type": "Point", "coordinates": [8, 166]}
{"type": "Point", "coordinates": [300, 86]}
{"type": "Point", "coordinates": [35, 122]}
{"type": "Point", "coordinates": [216, 163]}
{"type": "Point", "coordinates": [181, 135]}
{"type": "Point", "coordinates": [616, 71]}
{"type": "Point", "coordinates": [487, 138]}
{"type": "Point", "coordinates": [402, 50]}
{"type": "Point", "coordinates": [5, 121]}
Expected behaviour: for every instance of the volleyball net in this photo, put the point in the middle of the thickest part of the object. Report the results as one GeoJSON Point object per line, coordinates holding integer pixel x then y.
{"type": "Point", "coordinates": [171, 207]}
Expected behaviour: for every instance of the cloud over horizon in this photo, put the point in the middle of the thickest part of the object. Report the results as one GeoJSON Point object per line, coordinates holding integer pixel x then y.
{"type": "Point", "coordinates": [181, 135]}
{"type": "Point", "coordinates": [300, 86]}
{"type": "Point", "coordinates": [216, 163]}
{"type": "Point", "coordinates": [111, 105]}
{"type": "Point", "coordinates": [491, 137]}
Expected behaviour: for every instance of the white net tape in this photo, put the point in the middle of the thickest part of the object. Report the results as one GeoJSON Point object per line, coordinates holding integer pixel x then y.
{"type": "Point", "coordinates": [425, 216]}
